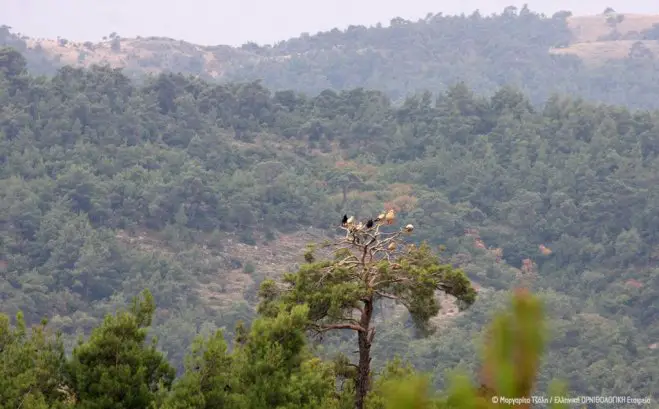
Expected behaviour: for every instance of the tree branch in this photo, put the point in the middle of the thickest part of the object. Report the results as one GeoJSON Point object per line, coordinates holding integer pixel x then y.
{"type": "Point", "coordinates": [391, 281]}
{"type": "Point", "coordinates": [386, 295]}
{"type": "Point", "coordinates": [324, 328]}
{"type": "Point", "coordinates": [346, 262]}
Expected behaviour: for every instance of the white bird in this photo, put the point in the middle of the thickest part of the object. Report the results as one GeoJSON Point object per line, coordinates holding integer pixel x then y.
{"type": "Point", "coordinates": [409, 228]}
{"type": "Point", "coordinates": [390, 216]}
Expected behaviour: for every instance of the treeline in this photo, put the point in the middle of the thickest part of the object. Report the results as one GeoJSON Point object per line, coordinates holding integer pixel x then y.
{"type": "Point", "coordinates": [407, 57]}
{"type": "Point", "coordinates": [270, 365]}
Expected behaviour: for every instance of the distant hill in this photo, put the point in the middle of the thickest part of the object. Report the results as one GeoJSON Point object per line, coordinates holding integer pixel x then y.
{"type": "Point", "coordinates": [595, 38]}
{"type": "Point", "coordinates": [608, 58]}
{"type": "Point", "coordinates": [151, 54]}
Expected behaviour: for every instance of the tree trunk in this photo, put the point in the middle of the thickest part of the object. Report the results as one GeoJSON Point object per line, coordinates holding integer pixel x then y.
{"type": "Point", "coordinates": [365, 339]}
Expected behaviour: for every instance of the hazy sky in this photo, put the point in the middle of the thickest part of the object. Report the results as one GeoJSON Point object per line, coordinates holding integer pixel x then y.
{"type": "Point", "coordinates": [235, 22]}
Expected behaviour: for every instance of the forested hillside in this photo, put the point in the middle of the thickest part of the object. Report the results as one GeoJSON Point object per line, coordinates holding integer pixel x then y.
{"type": "Point", "coordinates": [608, 58]}
{"type": "Point", "coordinates": [197, 191]}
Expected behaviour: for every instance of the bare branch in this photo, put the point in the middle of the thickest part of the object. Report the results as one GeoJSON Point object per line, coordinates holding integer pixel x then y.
{"type": "Point", "coordinates": [346, 262]}
{"type": "Point", "coordinates": [328, 327]}
{"type": "Point", "coordinates": [386, 295]}
{"type": "Point", "coordinates": [323, 277]}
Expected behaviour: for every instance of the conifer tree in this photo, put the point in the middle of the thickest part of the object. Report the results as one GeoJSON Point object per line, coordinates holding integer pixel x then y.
{"type": "Point", "coordinates": [115, 368]}
{"type": "Point", "coordinates": [368, 264]}
{"type": "Point", "coordinates": [206, 382]}
{"type": "Point", "coordinates": [30, 366]}
{"type": "Point", "coordinates": [270, 367]}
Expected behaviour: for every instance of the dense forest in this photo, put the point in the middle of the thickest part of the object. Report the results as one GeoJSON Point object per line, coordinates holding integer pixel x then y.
{"type": "Point", "coordinates": [403, 58]}
{"type": "Point", "coordinates": [109, 187]}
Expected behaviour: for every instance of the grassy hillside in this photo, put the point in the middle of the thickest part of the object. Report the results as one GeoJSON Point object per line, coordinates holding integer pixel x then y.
{"type": "Point", "coordinates": [590, 29]}
{"type": "Point", "coordinates": [197, 191]}
{"type": "Point", "coordinates": [607, 58]}
{"type": "Point", "coordinates": [150, 55]}
{"type": "Point", "coordinates": [611, 36]}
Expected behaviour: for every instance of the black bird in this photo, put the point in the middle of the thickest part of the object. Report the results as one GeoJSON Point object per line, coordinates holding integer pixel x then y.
{"type": "Point", "coordinates": [344, 220]}
{"type": "Point", "coordinates": [369, 223]}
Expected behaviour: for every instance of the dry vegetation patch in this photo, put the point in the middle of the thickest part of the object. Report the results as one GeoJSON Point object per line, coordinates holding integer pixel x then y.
{"type": "Point", "coordinates": [603, 51]}
{"type": "Point", "coordinates": [589, 33]}
{"type": "Point", "coordinates": [592, 28]}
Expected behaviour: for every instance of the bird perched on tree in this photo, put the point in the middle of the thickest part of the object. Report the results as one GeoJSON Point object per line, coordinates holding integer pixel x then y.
{"type": "Point", "coordinates": [344, 221]}
{"type": "Point", "coordinates": [390, 216]}
{"type": "Point", "coordinates": [391, 246]}
{"type": "Point", "coordinates": [369, 224]}
{"type": "Point", "coordinates": [350, 220]}
{"type": "Point", "coordinates": [409, 228]}
{"type": "Point", "coordinates": [354, 232]}
{"type": "Point", "coordinates": [380, 217]}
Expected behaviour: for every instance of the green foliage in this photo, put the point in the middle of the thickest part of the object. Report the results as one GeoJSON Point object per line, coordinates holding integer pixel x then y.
{"type": "Point", "coordinates": [412, 393]}
{"type": "Point", "coordinates": [207, 377]}
{"type": "Point", "coordinates": [31, 363]}
{"type": "Point", "coordinates": [368, 265]}
{"type": "Point", "coordinates": [108, 187]}
{"type": "Point", "coordinates": [277, 371]}
{"type": "Point", "coordinates": [115, 365]}
{"type": "Point", "coordinates": [249, 268]}
{"type": "Point", "coordinates": [270, 368]}
{"type": "Point", "coordinates": [385, 388]}
{"type": "Point", "coordinates": [332, 288]}
{"type": "Point", "coordinates": [512, 351]}
{"type": "Point", "coordinates": [514, 347]}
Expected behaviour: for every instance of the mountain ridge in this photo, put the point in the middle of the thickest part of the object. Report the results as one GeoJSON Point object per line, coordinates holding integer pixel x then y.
{"type": "Point", "coordinates": [609, 58]}
{"type": "Point", "coordinates": [155, 54]}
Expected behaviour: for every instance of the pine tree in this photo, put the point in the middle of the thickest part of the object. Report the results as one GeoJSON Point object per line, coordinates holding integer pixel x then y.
{"type": "Point", "coordinates": [207, 380]}
{"type": "Point", "coordinates": [30, 366]}
{"type": "Point", "coordinates": [270, 367]}
{"type": "Point", "coordinates": [115, 368]}
{"type": "Point", "coordinates": [369, 264]}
